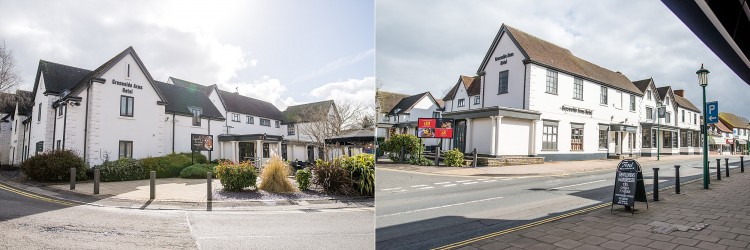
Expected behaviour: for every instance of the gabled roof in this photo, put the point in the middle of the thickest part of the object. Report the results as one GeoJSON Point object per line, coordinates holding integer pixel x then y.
{"type": "Point", "coordinates": [472, 84]}
{"type": "Point", "coordinates": [296, 113]}
{"type": "Point", "coordinates": [407, 103]}
{"type": "Point", "coordinates": [685, 103]}
{"type": "Point", "coordinates": [642, 85]}
{"type": "Point", "coordinates": [663, 91]}
{"type": "Point", "coordinates": [109, 64]}
{"type": "Point", "coordinates": [722, 127]}
{"type": "Point", "coordinates": [388, 100]}
{"type": "Point", "coordinates": [539, 51]}
{"type": "Point", "coordinates": [237, 103]}
{"type": "Point", "coordinates": [190, 85]}
{"type": "Point", "coordinates": [733, 121]}
{"type": "Point", "coordinates": [58, 77]}
{"type": "Point", "coordinates": [180, 99]}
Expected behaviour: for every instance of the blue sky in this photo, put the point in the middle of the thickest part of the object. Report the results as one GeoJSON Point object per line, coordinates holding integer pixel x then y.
{"type": "Point", "coordinates": [286, 52]}
{"type": "Point", "coordinates": [424, 45]}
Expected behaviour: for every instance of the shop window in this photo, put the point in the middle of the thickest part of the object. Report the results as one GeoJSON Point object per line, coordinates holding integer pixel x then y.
{"type": "Point", "coordinates": [683, 139]}
{"type": "Point", "coordinates": [603, 139]}
{"type": "Point", "coordinates": [576, 137]}
{"type": "Point", "coordinates": [667, 139]}
{"type": "Point", "coordinates": [126, 149]}
{"type": "Point", "coordinates": [646, 137]}
{"type": "Point", "coordinates": [549, 137]}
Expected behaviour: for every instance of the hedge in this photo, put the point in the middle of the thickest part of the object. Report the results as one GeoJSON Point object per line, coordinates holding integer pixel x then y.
{"type": "Point", "coordinates": [54, 166]}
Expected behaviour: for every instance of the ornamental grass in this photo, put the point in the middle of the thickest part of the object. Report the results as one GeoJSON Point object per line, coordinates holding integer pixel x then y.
{"type": "Point", "coordinates": [274, 177]}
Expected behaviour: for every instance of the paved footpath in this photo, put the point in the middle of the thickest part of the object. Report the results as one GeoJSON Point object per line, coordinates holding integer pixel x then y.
{"type": "Point", "coordinates": [674, 222]}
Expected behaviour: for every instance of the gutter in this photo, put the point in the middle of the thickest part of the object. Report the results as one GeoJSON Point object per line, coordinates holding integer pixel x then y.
{"type": "Point", "coordinates": [173, 135]}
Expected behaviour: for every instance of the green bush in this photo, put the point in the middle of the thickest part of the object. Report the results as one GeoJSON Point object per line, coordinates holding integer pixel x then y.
{"type": "Point", "coordinates": [217, 161]}
{"type": "Point", "coordinates": [361, 167]}
{"type": "Point", "coordinates": [199, 158]}
{"type": "Point", "coordinates": [333, 178]}
{"type": "Point", "coordinates": [235, 177]}
{"type": "Point", "coordinates": [453, 158]}
{"type": "Point", "coordinates": [167, 166]}
{"type": "Point", "coordinates": [124, 169]}
{"type": "Point", "coordinates": [197, 171]}
{"type": "Point", "coordinates": [54, 166]}
{"type": "Point", "coordinates": [303, 178]}
{"type": "Point", "coordinates": [413, 149]}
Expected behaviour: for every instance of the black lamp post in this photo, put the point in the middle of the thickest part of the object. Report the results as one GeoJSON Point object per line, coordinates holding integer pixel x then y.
{"type": "Point", "coordinates": [703, 81]}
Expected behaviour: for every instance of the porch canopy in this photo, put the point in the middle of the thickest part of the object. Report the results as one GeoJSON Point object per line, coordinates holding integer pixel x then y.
{"type": "Point", "coordinates": [354, 137]}
{"type": "Point", "coordinates": [251, 137]}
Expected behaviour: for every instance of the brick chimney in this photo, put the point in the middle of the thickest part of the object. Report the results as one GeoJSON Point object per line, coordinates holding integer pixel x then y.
{"type": "Point", "coordinates": [679, 92]}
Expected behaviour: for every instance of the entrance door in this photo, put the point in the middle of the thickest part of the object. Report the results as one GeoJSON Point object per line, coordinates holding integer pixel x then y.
{"type": "Point", "coordinates": [310, 154]}
{"type": "Point", "coordinates": [247, 151]}
{"type": "Point", "coordinates": [459, 137]}
{"type": "Point", "coordinates": [618, 144]}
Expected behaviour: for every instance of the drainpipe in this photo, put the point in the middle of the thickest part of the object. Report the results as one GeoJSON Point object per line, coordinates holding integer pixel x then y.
{"type": "Point", "coordinates": [28, 149]}
{"type": "Point", "coordinates": [54, 128]}
{"type": "Point", "coordinates": [212, 138]}
{"type": "Point", "coordinates": [86, 124]}
{"type": "Point", "coordinates": [173, 135]}
{"type": "Point", "coordinates": [65, 124]}
{"type": "Point", "coordinates": [23, 143]}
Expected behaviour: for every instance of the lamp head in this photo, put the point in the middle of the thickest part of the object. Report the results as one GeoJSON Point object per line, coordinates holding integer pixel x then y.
{"type": "Point", "coordinates": [702, 76]}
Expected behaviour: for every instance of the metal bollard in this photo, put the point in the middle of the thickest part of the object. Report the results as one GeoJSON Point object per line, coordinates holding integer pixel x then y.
{"type": "Point", "coordinates": [437, 156]}
{"type": "Point", "coordinates": [474, 161]}
{"type": "Point", "coordinates": [401, 156]}
{"type": "Point", "coordinates": [742, 164]}
{"type": "Point", "coordinates": [97, 176]}
{"type": "Point", "coordinates": [153, 185]}
{"type": "Point", "coordinates": [677, 179]}
{"type": "Point", "coordinates": [72, 178]}
{"type": "Point", "coordinates": [656, 184]}
{"type": "Point", "coordinates": [718, 169]}
{"type": "Point", "coordinates": [209, 189]}
{"type": "Point", "coordinates": [726, 165]}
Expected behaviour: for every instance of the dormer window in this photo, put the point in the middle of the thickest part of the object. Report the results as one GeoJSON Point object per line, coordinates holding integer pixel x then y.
{"type": "Point", "coordinates": [197, 112]}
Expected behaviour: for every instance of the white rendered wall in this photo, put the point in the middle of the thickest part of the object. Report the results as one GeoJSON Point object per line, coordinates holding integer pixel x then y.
{"type": "Point", "coordinates": [514, 136]}
{"type": "Point", "coordinates": [514, 97]}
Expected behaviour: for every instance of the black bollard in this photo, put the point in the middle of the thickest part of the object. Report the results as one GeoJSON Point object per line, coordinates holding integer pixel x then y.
{"type": "Point", "coordinates": [209, 188]}
{"type": "Point", "coordinates": [153, 185]}
{"type": "Point", "coordinates": [726, 165]}
{"type": "Point", "coordinates": [437, 156]}
{"type": "Point", "coordinates": [677, 179]}
{"type": "Point", "coordinates": [97, 176]}
{"type": "Point", "coordinates": [401, 156]}
{"type": "Point", "coordinates": [742, 164]}
{"type": "Point", "coordinates": [656, 184]}
{"type": "Point", "coordinates": [72, 178]}
{"type": "Point", "coordinates": [718, 169]}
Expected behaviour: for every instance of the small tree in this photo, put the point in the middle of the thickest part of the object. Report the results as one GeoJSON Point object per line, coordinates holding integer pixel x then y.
{"type": "Point", "coordinates": [9, 76]}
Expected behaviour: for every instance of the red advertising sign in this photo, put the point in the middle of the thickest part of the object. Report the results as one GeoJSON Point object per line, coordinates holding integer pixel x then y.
{"type": "Point", "coordinates": [435, 128]}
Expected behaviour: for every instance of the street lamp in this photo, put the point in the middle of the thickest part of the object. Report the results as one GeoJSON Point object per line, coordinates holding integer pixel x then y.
{"type": "Point", "coordinates": [703, 81]}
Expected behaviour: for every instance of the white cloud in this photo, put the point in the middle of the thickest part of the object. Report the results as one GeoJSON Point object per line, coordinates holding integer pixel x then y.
{"type": "Point", "coordinates": [361, 91]}
{"type": "Point", "coordinates": [266, 89]}
{"type": "Point", "coordinates": [337, 64]}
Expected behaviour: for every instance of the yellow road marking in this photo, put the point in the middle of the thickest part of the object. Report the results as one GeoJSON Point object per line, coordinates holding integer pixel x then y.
{"type": "Point", "coordinates": [529, 225]}
{"type": "Point", "coordinates": [35, 196]}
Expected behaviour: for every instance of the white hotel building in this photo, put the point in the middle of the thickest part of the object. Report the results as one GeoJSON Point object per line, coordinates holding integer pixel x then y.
{"type": "Point", "coordinates": [118, 110]}
{"type": "Point", "coordinates": [532, 98]}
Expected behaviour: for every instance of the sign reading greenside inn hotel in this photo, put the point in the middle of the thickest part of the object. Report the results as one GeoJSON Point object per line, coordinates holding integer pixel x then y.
{"type": "Point", "coordinates": [128, 87]}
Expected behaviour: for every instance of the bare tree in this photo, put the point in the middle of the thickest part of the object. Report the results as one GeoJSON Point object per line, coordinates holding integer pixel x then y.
{"type": "Point", "coordinates": [9, 76]}
{"type": "Point", "coordinates": [321, 122]}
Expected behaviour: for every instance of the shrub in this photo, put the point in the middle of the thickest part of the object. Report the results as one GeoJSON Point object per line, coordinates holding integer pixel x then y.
{"type": "Point", "coordinates": [124, 169]}
{"type": "Point", "coordinates": [332, 177]}
{"type": "Point", "coordinates": [197, 171]}
{"type": "Point", "coordinates": [235, 177]}
{"type": "Point", "coordinates": [167, 166]}
{"type": "Point", "coordinates": [303, 178]}
{"type": "Point", "coordinates": [54, 166]}
{"type": "Point", "coordinates": [199, 158]}
{"type": "Point", "coordinates": [453, 158]}
{"type": "Point", "coordinates": [217, 161]}
{"type": "Point", "coordinates": [410, 143]}
{"type": "Point", "coordinates": [274, 177]}
{"type": "Point", "coordinates": [361, 167]}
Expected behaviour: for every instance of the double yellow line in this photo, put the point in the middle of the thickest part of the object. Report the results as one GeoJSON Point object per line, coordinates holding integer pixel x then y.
{"type": "Point", "coordinates": [522, 227]}
{"type": "Point", "coordinates": [35, 196]}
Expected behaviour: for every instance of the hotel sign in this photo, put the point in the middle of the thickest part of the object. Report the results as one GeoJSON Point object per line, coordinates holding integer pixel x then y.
{"type": "Point", "coordinates": [584, 111]}
{"type": "Point", "coordinates": [127, 86]}
{"type": "Point", "coordinates": [200, 142]}
{"type": "Point", "coordinates": [435, 128]}
{"type": "Point", "coordinates": [503, 58]}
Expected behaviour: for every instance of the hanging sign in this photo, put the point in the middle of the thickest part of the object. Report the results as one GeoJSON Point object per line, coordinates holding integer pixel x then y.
{"type": "Point", "coordinates": [435, 128]}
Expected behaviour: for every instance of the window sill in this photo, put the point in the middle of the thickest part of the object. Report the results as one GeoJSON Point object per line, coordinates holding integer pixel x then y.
{"type": "Point", "coordinates": [576, 150]}
{"type": "Point", "coordinates": [549, 150]}
{"type": "Point", "coordinates": [579, 99]}
{"type": "Point", "coordinates": [550, 93]}
{"type": "Point", "coordinates": [603, 104]}
{"type": "Point", "coordinates": [502, 93]}
{"type": "Point", "coordinates": [126, 118]}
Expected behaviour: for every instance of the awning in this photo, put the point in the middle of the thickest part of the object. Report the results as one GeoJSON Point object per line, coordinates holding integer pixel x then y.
{"type": "Point", "coordinates": [742, 141]}
{"type": "Point", "coordinates": [354, 137]}
{"type": "Point", "coordinates": [716, 140]}
{"type": "Point", "coordinates": [624, 128]}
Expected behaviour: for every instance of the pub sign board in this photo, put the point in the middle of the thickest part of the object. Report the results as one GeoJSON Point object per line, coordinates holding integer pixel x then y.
{"type": "Point", "coordinates": [200, 142]}
{"type": "Point", "coordinates": [435, 128]}
{"type": "Point", "coordinates": [629, 186]}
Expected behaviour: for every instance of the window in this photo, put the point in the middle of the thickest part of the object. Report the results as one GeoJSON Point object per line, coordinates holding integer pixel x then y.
{"type": "Point", "coordinates": [126, 106]}
{"type": "Point", "coordinates": [250, 120]}
{"type": "Point", "coordinates": [683, 139]}
{"type": "Point", "coordinates": [197, 112]}
{"type": "Point", "coordinates": [646, 137]}
{"type": "Point", "coordinates": [578, 89]}
{"type": "Point", "coordinates": [602, 138]}
{"type": "Point", "coordinates": [696, 138]}
{"type": "Point", "coordinates": [284, 152]}
{"type": "Point", "coordinates": [653, 138]}
{"type": "Point", "coordinates": [126, 149]}
{"type": "Point", "coordinates": [476, 100]}
{"type": "Point", "coordinates": [648, 94]}
{"type": "Point", "coordinates": [265, 122]}
{"type": "Point", "coordinates": [128, 75]}
{"type": "Point", "coordinates": [683, 116]}
{"type": "Point", "coordinates": [236, 117]}
{"type": "Point", "coordinates": [266, 151]}
{"type": "Point", "coordinates": [689, 138]}
{"type": "Point", "coordinates": [667, 139]}
{"type": "Point", "coordinates": [649, 113]}
{"type": "Point", "coordinates": [632, 103]}
{"type": "Point", "coordinates": [290, 129]}
{"type": "Point", "coordinates": [503, 83]}
{"type": "Point", "coordinates": [695, 118]}
{"type": "Point", "coordinates": [549, 137]}
{"type": "Point", "coordinates": [576, 137]}
{"type": "Point", "coordinates": [58, 145]}
{"type": "Point", "coordinates": [674, 140]}
{"type": "Point", "coordinates": [668, 117]}
{"type": "Point", "coordinates": [278, 124]}
{"type": "Point", "coordinates": [39, 113]}
{"type": "Point", "coordinates": [39, 147]}
{"type": "Point", "coordinates": [551, 81]}
{"type": "Point", "coordinates": [603, 96]}
{"type": "Point", "coordinates": [435, 114]}
{"type": "Point", "coordinates": [461, 102]}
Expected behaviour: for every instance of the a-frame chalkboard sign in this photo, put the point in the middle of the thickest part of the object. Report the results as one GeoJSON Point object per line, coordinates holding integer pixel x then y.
{"type": "Point", "coordinates": [629, 186]}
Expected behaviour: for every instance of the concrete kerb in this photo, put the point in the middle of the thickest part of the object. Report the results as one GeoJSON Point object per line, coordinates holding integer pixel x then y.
{"type": "Point", "coordinates": [167, 204]}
